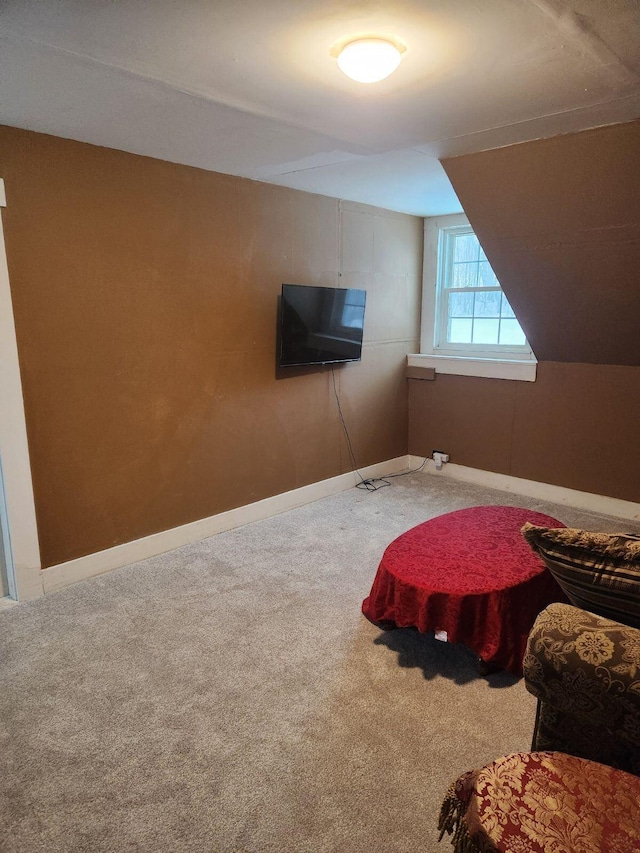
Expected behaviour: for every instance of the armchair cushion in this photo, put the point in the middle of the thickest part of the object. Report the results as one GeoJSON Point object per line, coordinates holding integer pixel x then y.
{"type": "Point", "coordinates": [599, 572]}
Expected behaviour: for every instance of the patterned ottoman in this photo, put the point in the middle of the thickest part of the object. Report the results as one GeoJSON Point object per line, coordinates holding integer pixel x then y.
{"type": "Point", "coordinates": [543, 802]}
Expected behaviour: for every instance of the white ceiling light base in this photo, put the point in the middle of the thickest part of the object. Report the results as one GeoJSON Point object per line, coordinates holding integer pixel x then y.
{"type": "Point", "coordinates": [369, 60]}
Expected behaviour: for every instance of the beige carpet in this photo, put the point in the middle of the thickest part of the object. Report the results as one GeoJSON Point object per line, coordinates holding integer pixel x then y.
{"type": "Point", "coordinates": [230, 697]}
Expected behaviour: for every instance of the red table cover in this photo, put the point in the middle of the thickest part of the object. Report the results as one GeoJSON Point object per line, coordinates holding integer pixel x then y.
{"type": "Point", "coordinates": [469, 573]}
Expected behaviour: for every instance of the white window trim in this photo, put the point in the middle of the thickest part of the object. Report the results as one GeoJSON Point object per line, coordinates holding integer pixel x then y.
{"type": "Point", "coordinates": [507, 363]}
{"type": "Point", "coordinates": [488, 368]}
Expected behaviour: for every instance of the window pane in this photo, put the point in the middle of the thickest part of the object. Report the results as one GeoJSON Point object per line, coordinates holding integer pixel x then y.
{"type": "Point", "coordinates": [511, 333]}
{"type": "Point", "coordinates": [481, 315]}
{"type": "Point", "coordinates": [466, 247]}
{"type": "Point", "coordinates": [459, 331]}
{"type": "Point", "coordinates": [461, 304]}
{"type": "Point", "coordinates": [488, 303]}
{"type": "Point", "coordinates": [487, 277]}
{"type": "Point", "coordinates": [465, 275]}
{"type": "Point", "coordinates": [506, 310]}
{"type": "Point", "coordinates": [485, 331]}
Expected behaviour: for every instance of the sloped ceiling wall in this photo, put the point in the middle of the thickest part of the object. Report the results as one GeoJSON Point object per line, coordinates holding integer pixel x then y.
{"type": "Point", "coordinates": [559, 220]}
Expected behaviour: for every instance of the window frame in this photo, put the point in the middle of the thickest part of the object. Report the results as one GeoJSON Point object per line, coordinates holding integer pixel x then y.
{"type": "Point", "coordinates": [434, 302]}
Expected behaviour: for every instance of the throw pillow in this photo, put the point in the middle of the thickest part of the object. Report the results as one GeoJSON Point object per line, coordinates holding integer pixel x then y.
{"type": "Point", "coordinates": [599, 572]}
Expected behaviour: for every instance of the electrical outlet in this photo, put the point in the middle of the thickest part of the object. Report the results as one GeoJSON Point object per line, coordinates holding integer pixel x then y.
{"type": "Point", "coordinates": [439, 457]}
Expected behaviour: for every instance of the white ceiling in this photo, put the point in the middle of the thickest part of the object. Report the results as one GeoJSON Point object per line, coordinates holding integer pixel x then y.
{"type": "Point", "coordinates": [248, 87]}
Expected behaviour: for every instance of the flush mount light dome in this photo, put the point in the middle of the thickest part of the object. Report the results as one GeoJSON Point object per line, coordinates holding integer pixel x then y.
{"type": "Point", "coordinates": [368, 60]}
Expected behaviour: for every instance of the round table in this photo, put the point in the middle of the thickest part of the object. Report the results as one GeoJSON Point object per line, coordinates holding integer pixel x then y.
{"type": "Point", "coordinates": [469, 573]}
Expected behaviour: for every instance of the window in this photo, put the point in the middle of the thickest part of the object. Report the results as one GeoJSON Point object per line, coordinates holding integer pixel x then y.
{"type": "Point", "coordinates": [471, 308]}
{"type": "Point", "coordinates": [465, 315]}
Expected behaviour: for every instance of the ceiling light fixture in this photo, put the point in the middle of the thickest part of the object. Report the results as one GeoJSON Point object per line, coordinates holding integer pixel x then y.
{"type": "Point", "coordinates": [368, 60]}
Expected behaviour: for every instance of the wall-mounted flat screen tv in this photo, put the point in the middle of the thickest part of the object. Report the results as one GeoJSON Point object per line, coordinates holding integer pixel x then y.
{"type": "Point", "coordinates": [320, 325]}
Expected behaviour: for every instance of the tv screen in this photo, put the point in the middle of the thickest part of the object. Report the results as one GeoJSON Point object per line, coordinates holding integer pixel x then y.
{"type": "Point", "coordinates": [320, 325]}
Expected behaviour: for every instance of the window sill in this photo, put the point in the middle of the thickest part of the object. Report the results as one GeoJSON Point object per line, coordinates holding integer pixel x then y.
{"type": "Point", "coordinates": [489, 368]}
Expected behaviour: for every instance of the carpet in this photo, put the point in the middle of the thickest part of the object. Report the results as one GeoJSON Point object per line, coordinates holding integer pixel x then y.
{"type": "Point", "coordinates": [230, 697]}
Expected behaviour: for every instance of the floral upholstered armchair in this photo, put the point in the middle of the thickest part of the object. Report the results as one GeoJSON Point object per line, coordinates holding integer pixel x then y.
{"type": "Point", "coordinates": [579, 787]}
{"type": "Point", "coordinates": [582, 662]}
{"type": "Point", "coordinates": [584, 670]}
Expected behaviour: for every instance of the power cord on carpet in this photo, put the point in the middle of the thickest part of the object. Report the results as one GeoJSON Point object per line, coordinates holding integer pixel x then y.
{"type": "Point", "coordinates": [369, 484]}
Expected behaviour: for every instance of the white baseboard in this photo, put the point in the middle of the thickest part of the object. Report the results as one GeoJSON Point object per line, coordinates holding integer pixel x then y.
{"type": "Point", "coordinates": [532, 489]}
{"type": "Point", "coordinates": [64, 574]}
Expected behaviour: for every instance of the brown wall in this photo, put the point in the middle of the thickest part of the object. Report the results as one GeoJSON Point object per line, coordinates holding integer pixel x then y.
{"type": "Point", "coordinates": [576, 426]}
{"type": "Point", "coordinates": [145, 299]}
{"type": "Point", "coordinates": [559, 220]}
